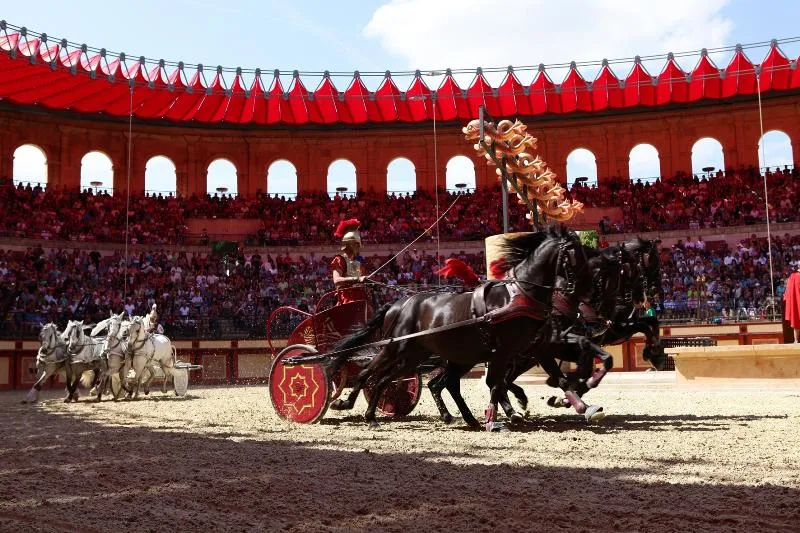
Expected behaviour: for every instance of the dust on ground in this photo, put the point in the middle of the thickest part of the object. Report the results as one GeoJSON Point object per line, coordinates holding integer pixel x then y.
{"type": "Point", "coordinates": [221, 460]}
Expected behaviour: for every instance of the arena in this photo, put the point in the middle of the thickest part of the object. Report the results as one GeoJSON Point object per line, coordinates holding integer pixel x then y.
{"type": "Point", "coordinates": [663, 460]}
{"type": "Point", "coordinates": [203, 268]}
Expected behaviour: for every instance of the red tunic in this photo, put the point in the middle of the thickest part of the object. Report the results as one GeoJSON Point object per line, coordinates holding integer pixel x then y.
{"type": "Point", "coordinates": [353, 293]}
{"type": "Point", "coordinates": [792, 297]}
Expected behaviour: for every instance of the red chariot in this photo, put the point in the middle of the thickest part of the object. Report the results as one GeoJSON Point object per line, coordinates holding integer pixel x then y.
{"type": "Point", "coordinates": [302, 392]}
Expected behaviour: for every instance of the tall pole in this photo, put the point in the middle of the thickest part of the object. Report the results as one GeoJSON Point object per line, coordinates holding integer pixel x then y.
{"type": "Point", "coordinates": [505, 206]}
{"type": "Point", "coordinates": [504, 183]}
{"type": "Point", "coordinates": [766, 194]}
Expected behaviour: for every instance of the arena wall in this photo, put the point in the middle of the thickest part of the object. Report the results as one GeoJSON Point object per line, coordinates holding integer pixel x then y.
{"type": "Point", "coordinates": [248, 361]}
{"type": "Point", "coordinates": [67, 137]}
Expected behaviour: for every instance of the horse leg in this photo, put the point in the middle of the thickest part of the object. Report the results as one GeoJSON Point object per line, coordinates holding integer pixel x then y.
{"type": "Point", "coordinates": [101, 385]}
{"type": "Point", "coordinates": [379, 365]}
{"type": "Point", "coordinates": [150, 376]}
{"type": "Point", "coordinates": [608, 363]}
{"type": "Point", "coordinates": [554, 379]}
{"type": "Point", "coordinates": [453, 385]}
{"type": "Point", "coordinates": [380, 386]}
{"type": "Point", "coordinates": [72, 383]}
{"type": "Point", "coordinates": [495, 379]}
{"type": "Point", "coordinates": [517, 369]}
{"type": "Point", "coordinates": [519, 394]}
{"type": "Point", "coordinates": [436, 386]}
{"type": "Point", "coordinates": [139, 369]}
{"type": "Point", "coordinates": [33, 394]}
{"type": "Point", "coordinates": [167, 369]}
{"type": "Point", "coordinates": [587, 351]}
{"type": "Point", "coordinates": [514, 417]}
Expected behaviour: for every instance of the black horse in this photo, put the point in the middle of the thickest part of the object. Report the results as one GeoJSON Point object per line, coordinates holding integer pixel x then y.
{"type": "Point", "coordinates": [623, 278]}
{"type": "Point", "coordinates": [544, 271]}
{"type": "Point", "coordinates": [568, 334]}
{"type": "Point", "coordinates": [619, 297]}
{"type": "Point", "coordinates": [642, 258]}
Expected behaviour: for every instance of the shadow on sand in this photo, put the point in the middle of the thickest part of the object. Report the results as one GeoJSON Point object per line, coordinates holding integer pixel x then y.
{"type": "Point", "coordinates": [64, 473]}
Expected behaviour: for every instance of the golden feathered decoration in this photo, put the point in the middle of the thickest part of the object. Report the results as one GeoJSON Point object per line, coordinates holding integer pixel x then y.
{"type": "Point", "coordinates": [530, 178]}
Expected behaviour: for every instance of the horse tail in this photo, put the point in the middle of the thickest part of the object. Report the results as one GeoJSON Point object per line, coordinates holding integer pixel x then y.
{"type": "Point", "coordinates": [362, 334]}
{"type": "Point", "coordinates": [87, 379]}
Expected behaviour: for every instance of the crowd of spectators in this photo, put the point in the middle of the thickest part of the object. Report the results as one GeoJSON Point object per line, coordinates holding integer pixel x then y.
{"type": "Point", "coordinates": [691, 202]}
{"type": "Point", "coordinates": [197, 294]}
{"type": "Point", "coordinates": [212, 296]}
{"type": "Point", "coordinates": [680, 202]}
{"type": "Point", "coordinates": [714, 282]}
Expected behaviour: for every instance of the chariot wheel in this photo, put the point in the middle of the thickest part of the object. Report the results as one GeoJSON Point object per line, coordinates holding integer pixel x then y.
{"type": "Point", "coordinates": [180, 381]}
{"type": "Point", "coordinates": [400, 397]}
{"type": "Point", "coordinates": [300, 393]}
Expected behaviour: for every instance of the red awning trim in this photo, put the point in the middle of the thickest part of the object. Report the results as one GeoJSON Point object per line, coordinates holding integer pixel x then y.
{"type": "Point", "coordinates": [60, 76]}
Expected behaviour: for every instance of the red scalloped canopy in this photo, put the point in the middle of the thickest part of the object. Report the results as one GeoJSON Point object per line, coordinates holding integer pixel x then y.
{"type": "Point", "coordinates": [35, 72]}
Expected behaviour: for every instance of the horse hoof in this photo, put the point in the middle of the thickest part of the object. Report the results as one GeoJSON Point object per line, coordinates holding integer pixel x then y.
{"type": "Point", "coordinates": [373, 424]}
{"type": "Point", "coordinates": [527, 414]}
{"type": "Point", "coordinates": [516, 418]}
{"type": "Point", "coordinates": [67, 400]}
{"type": "Point", "coordinates": [594, 413]}
{"type": "Point", "coordinates": [340, 405]}
{"type": "Point", "coordinates": [448, 419]}
{"type": "Point", "coordinates": [555, 401]}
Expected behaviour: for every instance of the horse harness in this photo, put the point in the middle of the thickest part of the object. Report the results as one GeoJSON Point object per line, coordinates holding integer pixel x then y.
{"type": "Point", "coordinates": [523, 302]}
{"type": "Point", "coordinates": [133, 348]}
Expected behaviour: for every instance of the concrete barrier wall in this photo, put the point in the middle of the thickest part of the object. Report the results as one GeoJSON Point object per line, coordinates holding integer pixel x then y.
{"type": "Point", "coordinates": [738, 365]}
{"type": "Point", "coordinates": [248, 361]}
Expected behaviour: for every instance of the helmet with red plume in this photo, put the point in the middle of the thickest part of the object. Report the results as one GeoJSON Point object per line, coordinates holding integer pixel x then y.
{"type": "Point", "coordinates": [347, 230]}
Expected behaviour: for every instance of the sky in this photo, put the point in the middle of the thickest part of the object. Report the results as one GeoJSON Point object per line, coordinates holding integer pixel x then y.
{"type": "Point", "coordinates": [404, 35]}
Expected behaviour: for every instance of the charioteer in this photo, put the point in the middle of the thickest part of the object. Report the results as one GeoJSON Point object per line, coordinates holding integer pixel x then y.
{"type": "Point", "coordinates": [347, 268]}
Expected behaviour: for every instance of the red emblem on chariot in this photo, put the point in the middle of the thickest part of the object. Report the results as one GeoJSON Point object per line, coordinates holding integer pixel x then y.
{"type": "Point", "coordinates": [299, 387]}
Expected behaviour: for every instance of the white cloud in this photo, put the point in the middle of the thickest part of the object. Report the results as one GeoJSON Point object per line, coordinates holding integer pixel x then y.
{"type": "Point", "coordinates": [469, 33]}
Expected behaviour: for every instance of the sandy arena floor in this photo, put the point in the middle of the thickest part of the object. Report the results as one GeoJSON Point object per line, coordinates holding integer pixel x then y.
{"type": "Point", "coordinates": [220, 460]}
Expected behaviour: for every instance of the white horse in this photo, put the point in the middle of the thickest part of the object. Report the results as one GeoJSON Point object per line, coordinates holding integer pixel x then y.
{"type": "Point", "coordinates": [148, 349]}
{"type": "Point", "coordinates": [84, 354]}
{"type": "Point", "coordinates": [50, 359]}
{"type": "Point", "coordinates": [114, 352]}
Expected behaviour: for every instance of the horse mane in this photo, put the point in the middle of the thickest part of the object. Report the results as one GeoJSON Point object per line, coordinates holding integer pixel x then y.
{"type": "Point", "coordinates": [515, 249]}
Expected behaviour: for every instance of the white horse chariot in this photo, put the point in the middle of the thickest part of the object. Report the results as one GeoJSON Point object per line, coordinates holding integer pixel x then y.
{"type": "Point", "coordinates": [119, 360]}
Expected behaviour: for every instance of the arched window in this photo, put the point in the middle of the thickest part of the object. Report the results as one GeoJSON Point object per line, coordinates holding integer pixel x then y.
{"type": "Point", "coordinates": [775, 150]}
{"type": "Point", "coordinates": [159, 176]}
{"type": "Point", "coordinates": [97, 173]}
{"type": "Point", "coordinates": [401, 176]}
{"type": "Point", "coordinates": [221, 178]}
{"type": "Point", "coordinates": [342, 178]}
{"type": "Point", "coordinates": [30, 165]}
{"type": "Point", "coordinates": [581, 163]}
{"type": "Point", "coordinates": [643, 163]}
{"type": "Point", "coordinates": [460, 171]}
{"type": "Point", "coordinates": [707, 156]}
{"type": "Point", "coordinates": [282, 179]}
